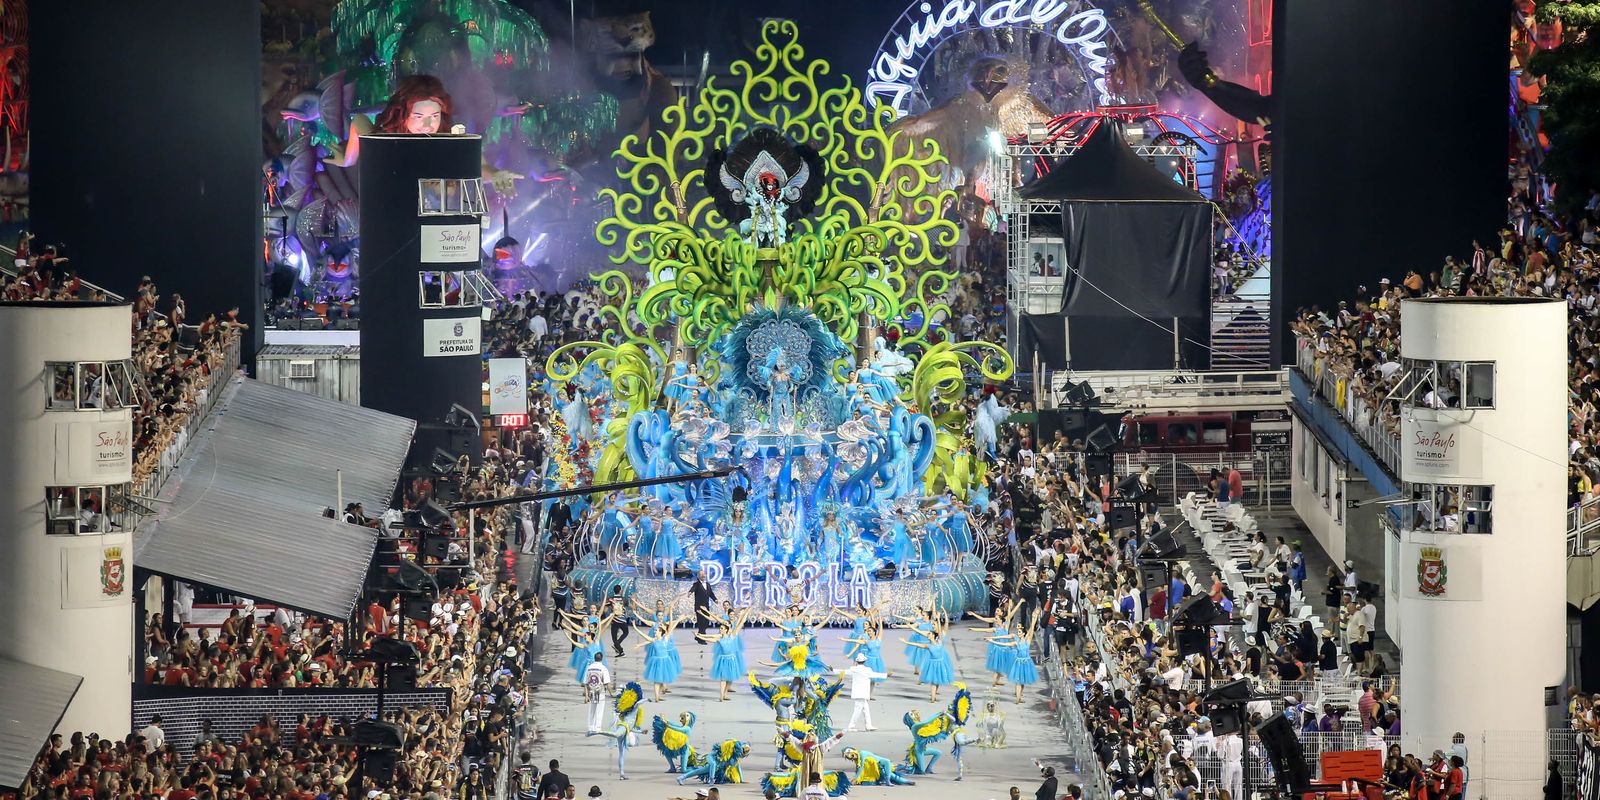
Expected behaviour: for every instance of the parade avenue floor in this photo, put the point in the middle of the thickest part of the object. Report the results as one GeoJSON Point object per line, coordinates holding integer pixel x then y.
{"type": "Point", "coordinates": [557, 712]}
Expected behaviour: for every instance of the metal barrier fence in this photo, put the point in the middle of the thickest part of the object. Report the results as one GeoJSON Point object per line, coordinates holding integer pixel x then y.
{"type": "Point", "coordinates": [1069, 715]}
{"type": "Point", "coordinates": [1583, 527]}
{"type": "Point", "coordinates": [1267, 476]}
{"type": "Point", "coordinates": [1361, 418]}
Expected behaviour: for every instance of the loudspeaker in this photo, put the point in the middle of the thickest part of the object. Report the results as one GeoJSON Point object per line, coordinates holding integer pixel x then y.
{"type": "Point", "coordinates": [1121, 517]}
{"type": "Point", "coordinates": [1073, 422]}
{"type": "Point", "coordinates": [1226, 719]}
{"type": "Point", "coordinates": [1152, 575]}
{"type": "Point", "coordinates": [434, 515]}
{"type": "Point", "coordinates": [378, 765]}
{"type": "Point", "coordinates": [1096, 464]}
{"type": "Point", "coordinates": [1192, 641]}
{"type": "Point", "coordinates": [436, 546]}
{"type": "Point", "coordinates": [402, 678]}
{"type": "Point", "coordinates": [1160, 545]}
{"type": "Point", "coordinates": [1232, 692]}
{"type": "Point", "coordinates": [392, 650]}
{"type": "Point", "coordinates": [372, 733]}
{"type": "Point", "coordinates": [1198, 610]}
{"type": "Point", "coordinates": [416, 609]}
{"type": "Point", "coordinates": [1283, 749]}
{"type": "Point", "coordinates": [1102, 439]}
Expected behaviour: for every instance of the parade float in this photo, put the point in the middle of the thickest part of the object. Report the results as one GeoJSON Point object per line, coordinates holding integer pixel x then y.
{"type": "Point", "coordinates": [793, 250]}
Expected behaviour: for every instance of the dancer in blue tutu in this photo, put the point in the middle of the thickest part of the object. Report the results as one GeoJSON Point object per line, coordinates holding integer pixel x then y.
{"type": "Point", "coordinates": [661, 664]}
{"type": "Point", "coordinates": [1001, 651]}
{"type": "Point", "coordinates": [586, 644]}
{"type": "Point", "coordinates": [870, 646]}
{"type": "Point", "coordinates": [937, 667]}
{"type": "Point", "coordinates": [1023, 671]}
{"type": "Point", "coordinates": [856, 643]}
{"type": "Point", "coordinates": [727, 652]}
{"type": "Point", "coordinates": [789, 625]}
{"type": "Point", "coordinates": [917, 645]}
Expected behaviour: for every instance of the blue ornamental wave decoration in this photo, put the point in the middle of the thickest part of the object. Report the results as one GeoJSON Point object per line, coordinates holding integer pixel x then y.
{"type": "Point", "coordinates": [809, 349]}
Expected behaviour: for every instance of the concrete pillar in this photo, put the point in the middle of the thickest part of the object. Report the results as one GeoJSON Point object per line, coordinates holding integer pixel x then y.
{"type": "Point", "coordinates": [1483, 614]}
{"type": "Point", "coordinates": [67, 596]}
{"type": "Point", "coordinates": [419, 356]}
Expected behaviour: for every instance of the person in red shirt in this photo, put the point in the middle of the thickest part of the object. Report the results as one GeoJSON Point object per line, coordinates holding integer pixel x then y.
{"type": "Point", "coordinates": [1455, 779]}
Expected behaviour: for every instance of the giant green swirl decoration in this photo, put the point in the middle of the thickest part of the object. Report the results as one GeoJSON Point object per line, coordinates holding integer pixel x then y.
{"type": "Point", "coordinates": [872, 251]}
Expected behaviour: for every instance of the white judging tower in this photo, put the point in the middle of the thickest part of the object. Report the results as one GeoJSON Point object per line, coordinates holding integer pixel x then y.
{"type": "Point", "coordinates": [1477, 586]}
{"type": "Point", "coordinates": [66, 455]}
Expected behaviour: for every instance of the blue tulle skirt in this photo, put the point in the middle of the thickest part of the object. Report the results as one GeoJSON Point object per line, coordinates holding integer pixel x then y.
{"type": "Point", "coordinates": [1023, 672]}
{"type": "Point", "coordinates": [857, 631]}
{"type": "Point", "coordinates": [728, 660]}
{"type": "Point", "coordinates": [917, 655]}
{"type": "Point", "coordinates": [1000, 655]}
{"type": "Point", "coordinates": [874, 651]}
{"type": "Point", "coordinates": [938, 670]}
{"type": "Point", "coordinates": [587, 654]}
{"type": "Point", "coordinates": [658, 665]}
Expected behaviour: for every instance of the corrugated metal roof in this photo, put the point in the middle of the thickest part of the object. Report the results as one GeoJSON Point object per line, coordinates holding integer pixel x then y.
{"type": "Point", "coordinates": [309, 351]}
{"type": "Point", "coordinates": [244, 509]}
{"type": "Point", "coordinates": [30, 708]}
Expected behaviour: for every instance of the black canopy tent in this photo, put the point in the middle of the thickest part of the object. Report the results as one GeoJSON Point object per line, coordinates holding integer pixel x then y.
{"type": "Point", "coordinates": [1138, 253]}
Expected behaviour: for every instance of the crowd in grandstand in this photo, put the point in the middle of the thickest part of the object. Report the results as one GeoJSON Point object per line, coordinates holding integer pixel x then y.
{"type": "Point", "coordinates": [176, 358]}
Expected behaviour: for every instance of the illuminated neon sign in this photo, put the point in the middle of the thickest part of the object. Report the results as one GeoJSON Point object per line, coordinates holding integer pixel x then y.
{"type": "Point", "coordinates": [895, 69]}
{"type": "Point", "coordinates": [840, 588]}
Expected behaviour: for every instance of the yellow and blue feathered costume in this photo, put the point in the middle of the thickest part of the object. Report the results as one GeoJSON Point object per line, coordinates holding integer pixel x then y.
{"type": "Point", "coordinates": [720, 765]}
{"type": "Point", "coordinates": [787, 783]}
{"type": "Point", "coordinates": [672, 739]}
{"type": "Point", "coordinates": [874, 770]}
{"type": "Point", "coordinates": [920, 758]}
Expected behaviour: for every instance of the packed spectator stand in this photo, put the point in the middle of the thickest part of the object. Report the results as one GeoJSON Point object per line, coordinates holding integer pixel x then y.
{"type": "Point", "coordinates": [474, 645]}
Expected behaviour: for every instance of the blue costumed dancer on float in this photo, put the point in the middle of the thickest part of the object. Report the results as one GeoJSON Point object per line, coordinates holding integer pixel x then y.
{"type": "Point", "coordinates": [873, 769]}
{"type": "Point", "coordinates": [672, 739]}
{"type": "Point", "coordinates": [720, 764]}
{"type": "Point", "coordinates": [576, 415]}
{"type": "Point", "coordinates": [630, 723]}
{"type": "Point", "coordinates": [780, 388]}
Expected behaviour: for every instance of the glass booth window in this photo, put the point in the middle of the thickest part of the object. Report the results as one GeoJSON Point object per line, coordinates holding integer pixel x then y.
{"type": "Point", "coordinates": [1181, 433]}
{"type": "Point", "coordinates": [1452, 508]}
{"type": "Point", "coordinates": [86, 385]}
{"type": "Point", "coordinates": [1447, 384]}
{"type": "Point", "coordinates": [89, 384]}
{"type": "Point", "coordinates": [63, 377]}
{"type": "Point", "coordinates": [449, 197]}
{"type": "Point", "coordinates": [446, 289]}
{"type": "Point", "coordinates": [1480, 384]}
{"type": "Point", "coordinates": [1149, 434]}
{"type": "Point", "coordinates": [74, 510]}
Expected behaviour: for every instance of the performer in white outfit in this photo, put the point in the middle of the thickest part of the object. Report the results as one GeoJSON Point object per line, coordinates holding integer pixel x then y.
{"type": "Point", "coordinates": [861, 677]}
{"type": "Point", "coordinates": [1231, 748]}
{"type": "Point", "coordinates": [596, 688]}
